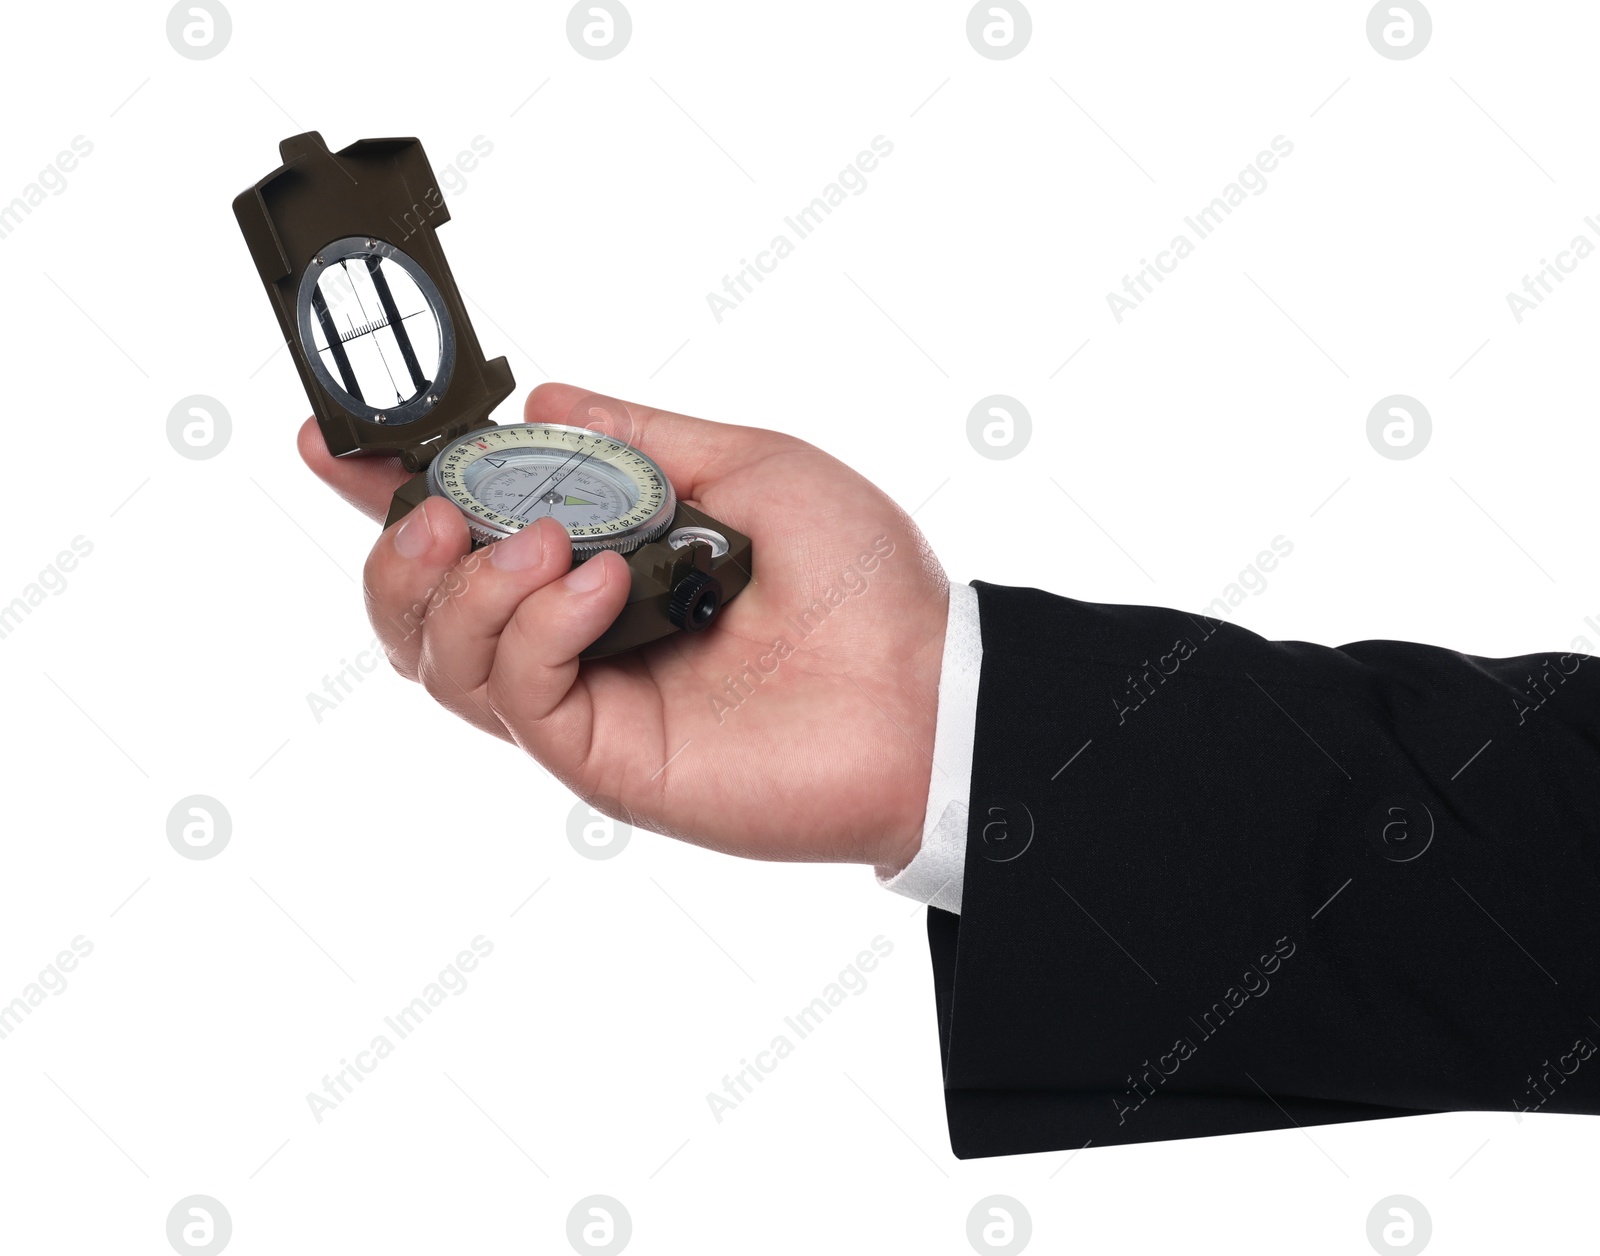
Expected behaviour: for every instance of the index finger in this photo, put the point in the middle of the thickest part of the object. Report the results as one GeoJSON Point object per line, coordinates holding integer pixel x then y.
{"type": "Point", "coordinates": [693, 452]}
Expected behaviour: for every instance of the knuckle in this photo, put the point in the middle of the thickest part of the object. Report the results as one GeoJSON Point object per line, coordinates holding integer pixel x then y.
{"type": "Point", "coordinates": [518, 699]}
{"type": "Point", "coordinates": [432, 677]}
{"type": "Point", "coordinates": [400, 633]}
{"type": "Point", "coordinates": [402, 665]}
{"type": "Point", "coordinates": [505, 699]}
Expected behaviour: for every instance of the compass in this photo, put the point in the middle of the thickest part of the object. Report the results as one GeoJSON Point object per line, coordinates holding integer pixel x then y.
{"type": "Point", "coordinates": [346, 245]}
{"type": "Point", "coordinates": [606, 494]}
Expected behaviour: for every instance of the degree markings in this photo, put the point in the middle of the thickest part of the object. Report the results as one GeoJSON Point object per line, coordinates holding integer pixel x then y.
{"type": "Point", "coordinates": [605, 449]}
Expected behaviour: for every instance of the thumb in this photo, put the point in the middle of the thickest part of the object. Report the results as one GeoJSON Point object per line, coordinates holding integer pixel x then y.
{"type": "Point", "coordinates": [531, 682]}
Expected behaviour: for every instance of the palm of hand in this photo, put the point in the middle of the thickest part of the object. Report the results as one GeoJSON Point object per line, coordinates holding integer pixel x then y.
{"type": "Point", "coordinates": [801, 726]}
{"type": "Point", "coordinates": [798, 727]}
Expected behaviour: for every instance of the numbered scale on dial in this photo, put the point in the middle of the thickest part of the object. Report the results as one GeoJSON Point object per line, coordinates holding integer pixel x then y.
{"type": "Point", "coordinates": [606, 494]}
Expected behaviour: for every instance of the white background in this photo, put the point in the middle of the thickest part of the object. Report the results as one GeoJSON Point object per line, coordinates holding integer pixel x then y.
{"type": "Point", "coordinates": [369, 848]}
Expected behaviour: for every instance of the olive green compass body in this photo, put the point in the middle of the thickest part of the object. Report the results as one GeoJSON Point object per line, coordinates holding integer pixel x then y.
{"type": "Point", "coordinates": [346, 246]}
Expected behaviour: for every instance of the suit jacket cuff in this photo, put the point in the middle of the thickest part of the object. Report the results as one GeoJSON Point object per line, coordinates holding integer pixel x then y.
{"type": "Point", "coordinates": [935, 873]}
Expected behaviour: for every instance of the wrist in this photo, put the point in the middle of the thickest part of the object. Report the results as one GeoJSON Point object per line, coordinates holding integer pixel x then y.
{"type": "Point", "coordinates": [900, 844]}
{"type": "Point", "coordinates": [898, 854]}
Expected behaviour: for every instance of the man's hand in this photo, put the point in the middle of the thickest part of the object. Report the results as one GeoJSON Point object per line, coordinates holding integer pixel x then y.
{"type": "Point", "coordinates": [798, 727]}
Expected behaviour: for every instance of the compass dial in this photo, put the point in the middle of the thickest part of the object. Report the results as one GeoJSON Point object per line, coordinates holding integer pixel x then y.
{"type": "Point", "coordinates": [606, 494]}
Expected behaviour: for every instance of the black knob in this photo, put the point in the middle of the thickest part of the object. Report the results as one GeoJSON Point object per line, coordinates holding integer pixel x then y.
{"type": "Point", "coordinates": [695, 602]}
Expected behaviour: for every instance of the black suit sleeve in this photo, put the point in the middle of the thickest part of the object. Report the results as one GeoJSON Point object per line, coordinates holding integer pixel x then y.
{"type": "Point", "coordinates": [1216, 884]}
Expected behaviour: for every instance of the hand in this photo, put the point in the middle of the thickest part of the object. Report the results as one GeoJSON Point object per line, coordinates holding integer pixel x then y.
{"type": "Point", "coordinates": [799, 726]}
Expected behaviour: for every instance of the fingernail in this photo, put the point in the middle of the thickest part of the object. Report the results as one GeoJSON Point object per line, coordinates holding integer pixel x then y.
{"type": "Point", "coordinates": [520, 550]}
{"type": "Point", "coordinates": [586, 577]}
{"type": "Point", "coordinates": [415, 535]}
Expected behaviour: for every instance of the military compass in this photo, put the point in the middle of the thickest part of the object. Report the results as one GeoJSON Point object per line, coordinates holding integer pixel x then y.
{"type": "Point", "coordinates": [346, 246]}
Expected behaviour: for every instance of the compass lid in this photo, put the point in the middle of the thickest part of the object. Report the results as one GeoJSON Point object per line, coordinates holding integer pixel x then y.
{"type": "Point", "coordinates": [347, 247]}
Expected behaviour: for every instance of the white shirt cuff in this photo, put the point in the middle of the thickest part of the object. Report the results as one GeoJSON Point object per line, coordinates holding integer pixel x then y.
{"type": "Point", "coordinates": [934, 875]}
